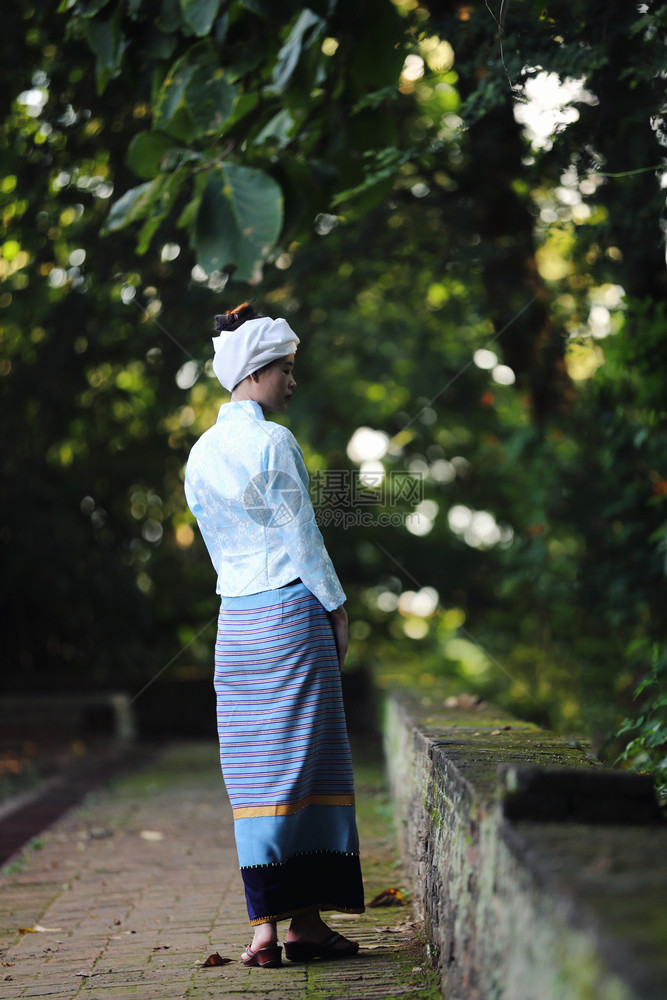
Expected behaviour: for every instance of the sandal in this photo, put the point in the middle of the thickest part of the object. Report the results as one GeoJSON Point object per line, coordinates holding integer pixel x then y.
{"type": "Point", "coordinates": [304, 951]}
{"type": "Point", "coordinates": [265, 958]}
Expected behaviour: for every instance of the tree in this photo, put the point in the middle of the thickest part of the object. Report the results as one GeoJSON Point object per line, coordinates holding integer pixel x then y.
{"type": "Point", "coordinates": [410, 223]}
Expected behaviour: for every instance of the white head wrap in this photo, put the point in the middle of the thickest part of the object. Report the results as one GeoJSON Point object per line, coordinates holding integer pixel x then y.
{"type": "Point", "coordinates": [255, 343]}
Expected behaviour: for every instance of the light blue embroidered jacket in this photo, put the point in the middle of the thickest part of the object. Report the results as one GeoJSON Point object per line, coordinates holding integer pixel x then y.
{"type": "Point", "coordinates": [247, 485]}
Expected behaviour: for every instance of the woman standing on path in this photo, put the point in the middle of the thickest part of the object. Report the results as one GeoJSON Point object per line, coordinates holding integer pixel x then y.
{"type": "Point", "coordinates": [282, 639]}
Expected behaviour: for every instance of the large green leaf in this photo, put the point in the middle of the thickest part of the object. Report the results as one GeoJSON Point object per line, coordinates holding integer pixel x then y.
{"type": "Point", "coordinates": [89, 8]}
{"type": "Point", "coordinates": [239, 220]}
{"type": "Point", "coordinates": [160, 207]}
{"type": "Point", "coordinates": [170, 113]}
{"type": "Point", "coordinates": [146, 152]}
{"type": "Point", "coordinates": [104, 38]}
{"type": "Point", "coordinates": [170, 18]}
{"type": "Point", "coordinates": [306, 24]}
{"type": "Point", "coordinates": [200, 14]}
{"type": "Point", "coordinates": [130, 207]}
{"type": "Point", "coordinates": [196, 98]}
{"type": "Point", "coordinates": [274, 10]}
{"type": "Point", "coordinates": [152, 201]}
{"type": "Point", "coordinates": [209, 98]}
{"type": "Point", "coordinates": [279, 129]}
{"type": "Point", "coordinates": [160, 44]}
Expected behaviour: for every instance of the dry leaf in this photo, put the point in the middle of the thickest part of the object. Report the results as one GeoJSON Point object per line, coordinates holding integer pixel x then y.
{"type": "Point", "coordinates": [152, 835]}
{"type": "Point", "coordinates": [215, 959]}
{"type": "Point", "coordinates": [388, 897]}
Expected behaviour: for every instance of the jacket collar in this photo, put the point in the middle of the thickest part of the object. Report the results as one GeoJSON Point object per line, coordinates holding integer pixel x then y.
{"type": "Point", "coordinates": [235, 406]}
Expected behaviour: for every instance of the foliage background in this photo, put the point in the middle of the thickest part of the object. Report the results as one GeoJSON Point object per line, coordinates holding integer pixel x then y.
{"type": "Point", "coordinates": [363, 170]}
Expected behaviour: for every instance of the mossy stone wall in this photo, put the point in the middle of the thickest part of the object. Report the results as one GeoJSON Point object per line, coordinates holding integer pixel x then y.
{"type": "Point", "coordinates": [526, 909]}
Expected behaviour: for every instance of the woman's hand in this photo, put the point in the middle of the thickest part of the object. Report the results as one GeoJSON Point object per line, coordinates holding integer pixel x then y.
{"type": "Point", "coordinates": [338, 619]}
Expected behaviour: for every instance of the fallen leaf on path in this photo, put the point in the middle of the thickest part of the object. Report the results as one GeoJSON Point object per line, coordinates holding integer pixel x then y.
{"type": "Point", "coordinates": [388, 897]}
{"type": "Point", "coordinates": [152, 835]}
{"type": "Point", "coordinates": [38, 929]}
{"type": "Point", "coordinates": [215, 959]}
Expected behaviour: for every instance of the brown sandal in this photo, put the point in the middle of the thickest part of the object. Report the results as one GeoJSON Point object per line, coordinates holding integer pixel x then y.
{"type": "Point", "coordinates": [304, 951]}
{"type": "Point", "coordinates": [265, 958]}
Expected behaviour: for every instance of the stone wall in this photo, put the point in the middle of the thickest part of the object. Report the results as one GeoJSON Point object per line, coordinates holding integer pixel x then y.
{"type": "Point", "coordinates": [540, 874]}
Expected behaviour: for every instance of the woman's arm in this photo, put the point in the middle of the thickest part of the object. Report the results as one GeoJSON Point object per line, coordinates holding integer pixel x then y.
{"type": "Point", "coordinates": [299, 534]}
{"type": "Point", "coordinates": [338, 619]}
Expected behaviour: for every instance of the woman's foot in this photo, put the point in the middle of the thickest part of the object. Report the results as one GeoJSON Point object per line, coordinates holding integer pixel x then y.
{"type": "Point", "coordinates": [265, 958]}
{"type": "Point", "coordinates": [265, 936]}
{"type": "Point", "coordinates": [333, 947]}
{"type": "Point", "coordinates": [309, 937]}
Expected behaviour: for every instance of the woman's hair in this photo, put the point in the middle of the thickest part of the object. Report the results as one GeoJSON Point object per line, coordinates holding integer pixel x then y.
{"type": "Point", "coordinates": [232, 319]}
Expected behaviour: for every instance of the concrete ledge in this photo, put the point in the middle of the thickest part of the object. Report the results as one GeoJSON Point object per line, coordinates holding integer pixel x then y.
{"type": "Point", "coordinates": [538, 872]}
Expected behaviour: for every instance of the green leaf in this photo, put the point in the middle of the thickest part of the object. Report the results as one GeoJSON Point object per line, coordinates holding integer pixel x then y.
{"type": "Point", "coordinates": [239, 220]}
{"type": "Point", "coordinates": [200, 14]}
{"type": "Point", "coordinates": [171, 114]}
{"type": "Point", "coordinates": [242, 59]}
{"type": "Point", "coordinates": [89, 8]}
{"type": "Point", "coordinates": [146, 153]}
{"type": "Point", "coordinates": [187, 217]}
{"type": "Point", "coordinates": [161, 204]}
{"type": "Point", "coordinates": [289, 55]}
{"type": "Point", "coordinates": [160, 44]}
{"type": "Point", "coordinates": [154, 200]}
{"type": "Point", "coordinates": [170, 17]}
{"type": "Point", "coordinates": [210, 99]}
{"type": "Point", "coordinates": [273, 10]}
{"type": "Point", "coordinates": [243, 107]}
{"type": "Point", "coordinates": [196, 98]}
{"type": "Point", "coordinates": [127, 209]}
{"type": "Point", "coordinates": [279, 129]}
{"type": "Point", "coordinates": [104, 38]}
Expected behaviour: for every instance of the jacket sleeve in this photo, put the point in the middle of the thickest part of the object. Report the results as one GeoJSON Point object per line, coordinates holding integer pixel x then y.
{"type": "Point", "coordinates": [294, 518]}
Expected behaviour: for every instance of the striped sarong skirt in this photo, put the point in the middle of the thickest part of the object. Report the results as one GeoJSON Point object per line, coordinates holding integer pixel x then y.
{"type": "Point", "coordinates": [285, 754]}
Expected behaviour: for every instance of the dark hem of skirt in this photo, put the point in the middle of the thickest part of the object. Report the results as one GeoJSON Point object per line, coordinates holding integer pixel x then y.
{"type": "Point", "coordinates": [307, 881]}
{"type": "Point", "coordinates": [304, 909]}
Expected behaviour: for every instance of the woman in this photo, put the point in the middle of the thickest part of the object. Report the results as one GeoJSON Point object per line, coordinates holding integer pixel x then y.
{"type": "Point", "coordinates": [282, 639]}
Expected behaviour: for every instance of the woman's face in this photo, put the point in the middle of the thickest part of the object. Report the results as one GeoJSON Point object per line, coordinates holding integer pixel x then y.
{"type": "Point", "coordinates": [276, 384]}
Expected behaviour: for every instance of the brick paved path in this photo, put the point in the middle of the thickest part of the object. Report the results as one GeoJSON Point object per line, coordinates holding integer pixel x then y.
{"type": "Point", "coordinates": [132, 890]}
